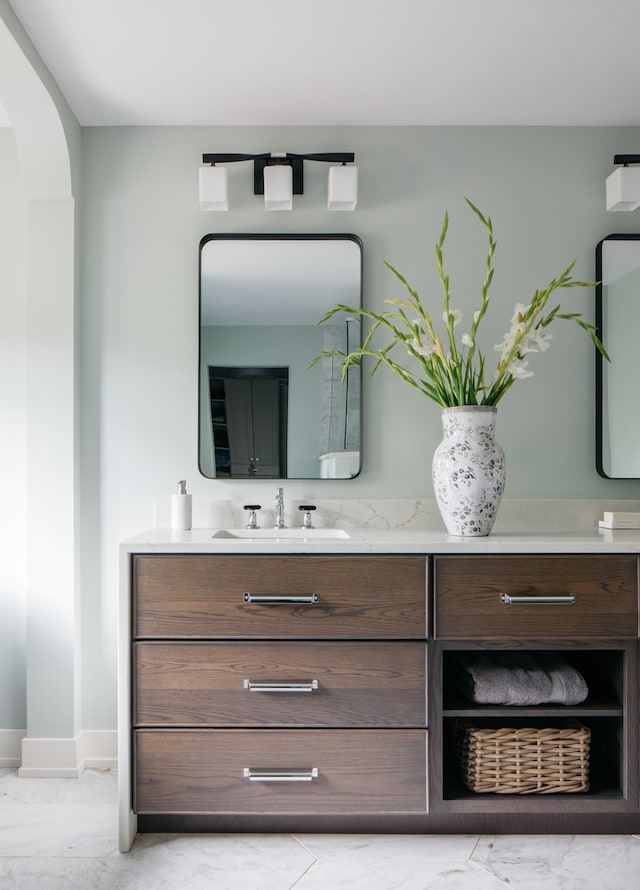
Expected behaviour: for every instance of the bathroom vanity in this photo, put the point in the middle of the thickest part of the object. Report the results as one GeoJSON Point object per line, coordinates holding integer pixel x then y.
{"type": "Point", "coordinates": [308, 684]}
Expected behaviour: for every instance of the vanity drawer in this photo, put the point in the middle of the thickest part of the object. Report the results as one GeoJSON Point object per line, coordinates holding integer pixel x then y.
{"type": "Point", "coordinates": [203, 771]}
{"type": "Point", "coordinates": [279, 597]}
{"type": "Point", "coordinates": [311, 684]}
{"type": "Point", "coordinates": [506, 596]}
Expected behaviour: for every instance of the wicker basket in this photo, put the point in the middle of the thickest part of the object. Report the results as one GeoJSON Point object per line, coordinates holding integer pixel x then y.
{"type": "Point", "coordinates": [524, 760]}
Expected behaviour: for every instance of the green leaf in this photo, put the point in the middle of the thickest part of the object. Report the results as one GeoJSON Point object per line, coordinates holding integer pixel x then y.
{"type": "Point", "coordinates": [461, 377]}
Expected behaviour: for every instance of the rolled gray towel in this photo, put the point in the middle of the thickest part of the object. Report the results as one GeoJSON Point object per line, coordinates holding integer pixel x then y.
{"type": "Point", "coordinates": [507, 678]}
{"type": "Point", "coordinates": [568, 686]}
{"type": "Point", "coordinates": [502, 678]}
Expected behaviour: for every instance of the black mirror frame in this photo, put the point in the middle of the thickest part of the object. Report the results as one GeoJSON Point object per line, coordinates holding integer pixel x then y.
{"type": "Point", "coordinates": [221, 236]}
{"type": "Point", "coordinates": [600, 368]}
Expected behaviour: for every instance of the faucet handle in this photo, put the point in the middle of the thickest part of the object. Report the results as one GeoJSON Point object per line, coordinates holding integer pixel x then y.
{"type": "Point", "coordinates": [253, 520]}
{"type": "Point", "coordinates": [308, 510]}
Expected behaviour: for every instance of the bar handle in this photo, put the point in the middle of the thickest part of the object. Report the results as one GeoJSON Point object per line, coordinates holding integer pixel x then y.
{"type": "Point", "coordinates": [277, 775]}
{"type": "Point", "coordinates": [280, 600]}
{"type": "Point", "coordinates": [509, 600]}
{"type": "Point", "coordinates": [276, 686]}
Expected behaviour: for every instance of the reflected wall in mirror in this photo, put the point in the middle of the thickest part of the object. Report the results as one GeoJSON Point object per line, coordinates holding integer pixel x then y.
{"type": "Point", "coordinates": [618, 323]}
{"type": "Point", "coordinates": [263, 413]}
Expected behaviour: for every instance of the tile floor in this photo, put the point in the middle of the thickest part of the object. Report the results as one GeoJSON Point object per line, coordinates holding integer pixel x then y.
{"type": "Point", "coordinates": [60, 834]}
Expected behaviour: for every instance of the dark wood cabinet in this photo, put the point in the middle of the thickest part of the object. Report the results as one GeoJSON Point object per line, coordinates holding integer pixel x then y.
{"type": "Point", "coordinates": [311, 684]}
{"type": "Point", "coordinates": [280, 597]}
{"type": "Point", "coordinates": [279, 685]}
{"type": "Point", "coordinates": [610, 712]}
{"type": "Point", "coordinates": [582, 608]}
{"type": "Point", "coordinates": [535, 596]}
{"type": "Point", "coordinates": [280, 771]}
{"type": "Point", "coordinates": [322, 692]}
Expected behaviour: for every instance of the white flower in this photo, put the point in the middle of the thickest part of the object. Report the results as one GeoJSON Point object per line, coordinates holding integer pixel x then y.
{"type": "Point", "coordinates": [476, 316]}
{"type": "Point", "coordinates": [467, 340]}
{"type": "Point", "coordinates": [518, 369]}
{"type": "Point", "coordinates": [542, 339]}
{"type": "Point", "coordinates": [527, 345]}
{"type": "Point", "coordinates": [519, 312]}
{"type": "Point", "coordinates": [454, 314]}
{"type": "Point", "coordinates": [426, 351]}
{"type": "Point", "coordinates": [506, 346]}
{"type": "Point", "coordinates": [535, 341]}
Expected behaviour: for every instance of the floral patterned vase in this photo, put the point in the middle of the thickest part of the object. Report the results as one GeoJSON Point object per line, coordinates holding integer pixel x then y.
{"type": "Point", "coordinates": [469, 470]}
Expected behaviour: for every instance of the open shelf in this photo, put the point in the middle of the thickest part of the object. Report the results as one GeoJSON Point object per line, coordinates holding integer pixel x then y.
{"type": "Point", "coordinates": [605, 761]}
{"type": "Point", "coordinates": [605, 712]}
{"type": "Point", "coordinates": [601, 669]}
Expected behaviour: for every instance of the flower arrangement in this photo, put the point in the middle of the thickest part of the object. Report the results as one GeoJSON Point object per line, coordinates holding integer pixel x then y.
{"type": "Point", "coordinates": [452, 373]}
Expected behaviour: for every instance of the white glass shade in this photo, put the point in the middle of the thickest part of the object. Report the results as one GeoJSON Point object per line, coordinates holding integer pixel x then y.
{"type": "Point", "coordinates": [343, 188]}
{"type": "Point", "coordinates": [278, 187]}
{"type": "Point", "coordinates": [213, 188]}
{"type": "Point", "coordinates": [623, 189]}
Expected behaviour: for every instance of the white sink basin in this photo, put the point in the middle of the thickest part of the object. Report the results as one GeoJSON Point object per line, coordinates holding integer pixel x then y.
{"type": "Point", "coordinates": [281, 534]}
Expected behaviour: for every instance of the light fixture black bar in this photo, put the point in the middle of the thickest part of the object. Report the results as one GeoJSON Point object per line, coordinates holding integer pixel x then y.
{"type": "Point", "coordinates": [626, 159]}
{"type": "Point", "coordinates": [334, 157]}
{"type": "Point", "coordinates": [295, 161]}
{"type": "Point", "coordinates": [230, 158]}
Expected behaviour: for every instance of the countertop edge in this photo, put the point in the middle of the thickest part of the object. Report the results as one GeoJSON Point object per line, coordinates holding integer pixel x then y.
{"type": "Point", "coordinates": [164, 540]}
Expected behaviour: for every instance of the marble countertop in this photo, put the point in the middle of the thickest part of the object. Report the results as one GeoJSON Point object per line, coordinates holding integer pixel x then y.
{"type": "Point", "coordinates": [375, 540]}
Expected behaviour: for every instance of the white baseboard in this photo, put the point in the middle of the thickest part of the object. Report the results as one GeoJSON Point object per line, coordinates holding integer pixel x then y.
{"type": "Point", "coordinates": [67, 758]}
{"type": "Point", "coordinates": [11, 747]}
{"type": "Point", "coordinates": [99, 748]}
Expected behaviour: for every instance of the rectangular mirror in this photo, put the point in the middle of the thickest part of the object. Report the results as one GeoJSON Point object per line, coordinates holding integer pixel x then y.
{"type": "Point", "coordinates": [618, 321]}
{"type": "Point", "coordinates": [263, 413]}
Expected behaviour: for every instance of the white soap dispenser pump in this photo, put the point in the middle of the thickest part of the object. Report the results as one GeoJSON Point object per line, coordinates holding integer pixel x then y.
{"type": "Point", "coordinates": [181, 508]}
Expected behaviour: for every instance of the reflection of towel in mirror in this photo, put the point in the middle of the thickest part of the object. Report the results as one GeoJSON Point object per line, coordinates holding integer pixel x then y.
{"type": "Point", "coordinates": [515, 678]}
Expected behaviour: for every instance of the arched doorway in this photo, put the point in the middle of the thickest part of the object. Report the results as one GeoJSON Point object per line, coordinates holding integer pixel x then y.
{"type": "Point", "coordinates": [50, 564]}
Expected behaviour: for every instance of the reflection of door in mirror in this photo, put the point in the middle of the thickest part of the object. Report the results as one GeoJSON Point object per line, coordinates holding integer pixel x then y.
{"type": "Point", "coordinates": [261, 300]}
{"type": "Point", "coordinates": [249, 421]}
{"type": "Point", "coordinates": [618, 323]}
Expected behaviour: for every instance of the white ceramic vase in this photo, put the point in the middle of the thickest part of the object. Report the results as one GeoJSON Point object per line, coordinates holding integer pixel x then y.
{"type": "Point", "coordinates": [469, 470]}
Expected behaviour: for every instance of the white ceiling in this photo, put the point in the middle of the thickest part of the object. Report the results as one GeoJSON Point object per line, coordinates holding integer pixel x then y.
{"type": "Point", "coordinates": [343, 62]}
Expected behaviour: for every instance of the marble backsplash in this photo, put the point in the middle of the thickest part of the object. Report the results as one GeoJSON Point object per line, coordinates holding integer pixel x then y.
{"type": "Point", "coordinates": [513, 515]}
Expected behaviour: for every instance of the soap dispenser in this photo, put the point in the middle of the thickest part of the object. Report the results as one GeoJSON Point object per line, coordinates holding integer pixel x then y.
{"type": "Point", "coordinates": [181, 508]}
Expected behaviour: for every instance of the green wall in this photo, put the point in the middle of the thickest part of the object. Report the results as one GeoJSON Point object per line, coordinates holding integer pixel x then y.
{"type": "Point", "coordinates": [544, 188]}
{"type": "Point", "coordinates": [142, 225]}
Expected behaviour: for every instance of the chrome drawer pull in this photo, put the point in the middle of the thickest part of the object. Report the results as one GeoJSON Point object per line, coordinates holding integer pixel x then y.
{"type": "Point", "coordinates": [269, 686]}
{"type": "Point", "coordinates": [568, 600]}
{"type": "Point", "coordinates": [280, 600]}
{"type": "Point", "coordinates": [276, 775]}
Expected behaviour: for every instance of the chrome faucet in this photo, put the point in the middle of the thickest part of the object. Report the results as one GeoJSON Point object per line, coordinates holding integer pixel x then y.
{"type": "Point", "coordinates": [280, 509]}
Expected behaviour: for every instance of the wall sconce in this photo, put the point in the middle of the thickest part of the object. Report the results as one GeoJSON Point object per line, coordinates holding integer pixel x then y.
{"type": "Point", "coordinates": [279, 176]}
{"type": "Point", "coordinates": [623, 185]}
{"type": "Point", "coordinates": [213, 188]}
{"type": "Point", "coordinates": [278, 187]}
{"type": "Point", "coordinates": [343, 188]}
